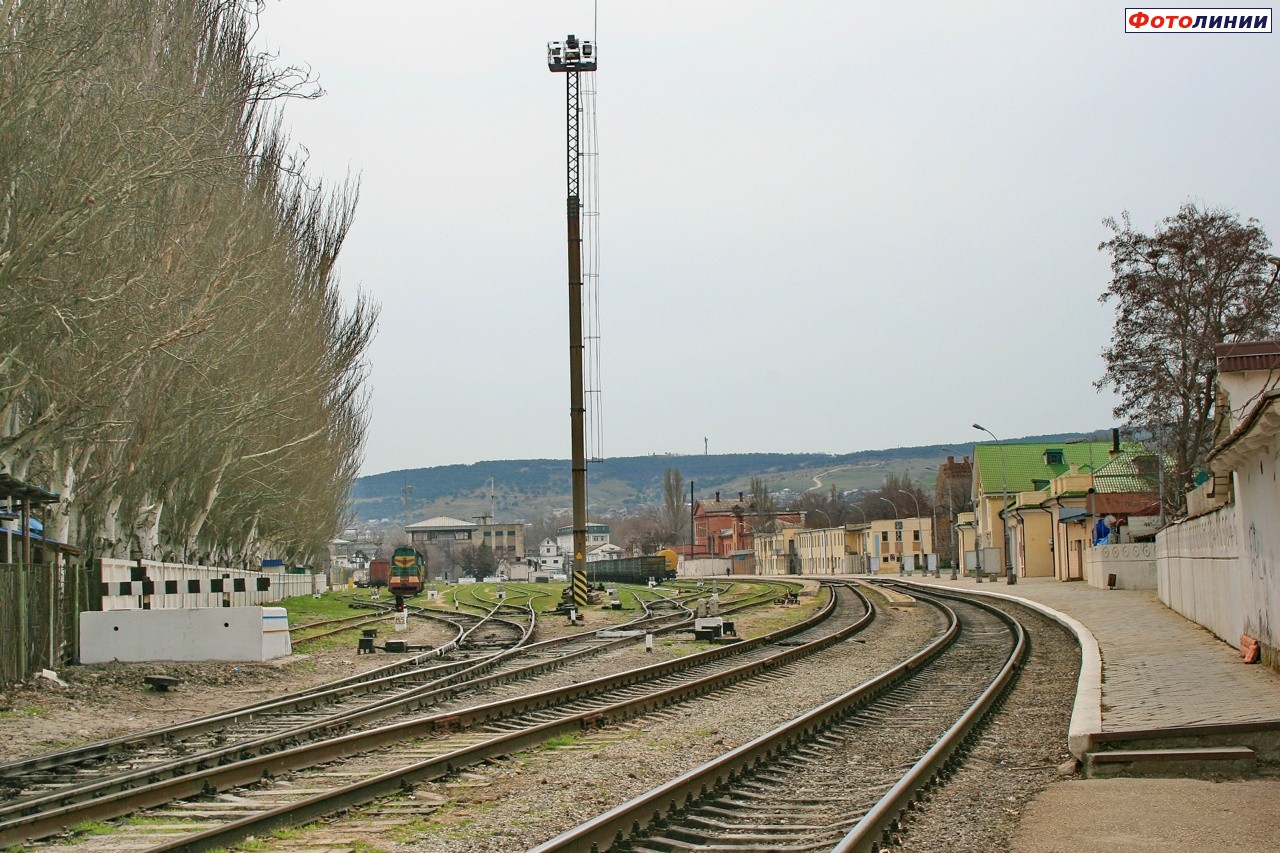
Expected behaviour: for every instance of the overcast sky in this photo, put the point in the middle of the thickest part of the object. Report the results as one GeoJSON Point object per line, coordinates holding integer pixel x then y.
{"type": "Point", "coordinates": [825, 226]}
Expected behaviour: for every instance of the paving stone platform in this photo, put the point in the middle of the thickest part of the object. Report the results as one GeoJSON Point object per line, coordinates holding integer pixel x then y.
{"type": "Point", "coordinates": [1159, 669]}
{"type": "Point", "coordinates": [1153, 669]}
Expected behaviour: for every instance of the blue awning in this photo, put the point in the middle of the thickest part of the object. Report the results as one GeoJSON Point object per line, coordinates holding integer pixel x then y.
{"type": "Point", "coordinates": [1072, 513]}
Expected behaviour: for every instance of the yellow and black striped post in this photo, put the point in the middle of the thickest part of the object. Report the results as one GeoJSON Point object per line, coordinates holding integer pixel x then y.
{"type": "Point", "coordinates": [580, 588]}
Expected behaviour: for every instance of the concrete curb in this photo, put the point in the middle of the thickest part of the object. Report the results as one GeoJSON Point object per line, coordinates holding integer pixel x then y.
{"type": "Point", "coordinates": [1086, 712]}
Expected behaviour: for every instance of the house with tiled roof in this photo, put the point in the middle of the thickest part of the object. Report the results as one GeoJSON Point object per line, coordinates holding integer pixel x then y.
{"type": "Point", "coordinates": [1009, 485]}
{"type": "Point", "coordinates": [1056, 493]}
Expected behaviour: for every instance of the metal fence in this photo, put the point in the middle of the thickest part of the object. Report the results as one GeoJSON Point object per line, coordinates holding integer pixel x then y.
{"type": "Point", "coordinates": [40, 616]}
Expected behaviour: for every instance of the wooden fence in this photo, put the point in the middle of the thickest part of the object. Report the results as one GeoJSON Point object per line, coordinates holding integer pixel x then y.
{"type": "Point", "coordinates": [40, 608]}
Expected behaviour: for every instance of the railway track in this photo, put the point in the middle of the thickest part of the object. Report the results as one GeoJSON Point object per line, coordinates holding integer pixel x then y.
{"type": "Point", "coordinates": [422, 747]}
{"type": "Point", "coordinates": [839, 777]}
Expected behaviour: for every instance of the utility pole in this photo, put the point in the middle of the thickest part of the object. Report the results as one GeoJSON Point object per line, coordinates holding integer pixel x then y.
{"type": "Point", "coordinates": [571, 57]}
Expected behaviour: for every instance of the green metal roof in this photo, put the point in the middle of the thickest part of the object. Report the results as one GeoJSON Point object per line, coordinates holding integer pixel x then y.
{"type": "Point", "coordinates": [1129, 472]}
{"type": "Point", "coordinates": [1025, 463]}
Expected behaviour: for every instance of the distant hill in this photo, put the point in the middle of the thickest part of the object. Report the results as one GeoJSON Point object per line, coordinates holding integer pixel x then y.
{"type": "Point", "coordinates": [527, 489]}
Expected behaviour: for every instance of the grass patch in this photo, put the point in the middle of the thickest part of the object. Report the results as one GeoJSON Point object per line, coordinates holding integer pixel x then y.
{"type": "Point", "coordinates": [331, 605]}
{"type": "Point", "coordinates": [410, 831]}
{"type": "Point", "coordinates": [90, 828]}
{"type": "Point", "coordinates": [681, 648]}
{"type": "Point", "coordinates": [159, 821]}
{"type": "Point", "coordinates": [566, 739]}
{"type": "Point", "coordinates": [20, 713]}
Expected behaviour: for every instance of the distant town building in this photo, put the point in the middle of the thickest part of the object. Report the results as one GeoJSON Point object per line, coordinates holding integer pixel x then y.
{"type": "Point", "coordinates": [597, 535]}
{"type": "Point", "coordinates": [722, 527]}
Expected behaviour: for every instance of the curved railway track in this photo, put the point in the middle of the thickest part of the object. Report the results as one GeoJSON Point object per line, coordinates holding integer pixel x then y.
{"type": "Point", "coordinates": [839, 777]}
{"type": "Point", "coordinates": [385, 758]}
{"type": "Point", "coordinates": [49, 792]}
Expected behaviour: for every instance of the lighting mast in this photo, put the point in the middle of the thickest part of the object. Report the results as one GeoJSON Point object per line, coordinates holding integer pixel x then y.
{"type": "Point", "coordinates": [571, 57]}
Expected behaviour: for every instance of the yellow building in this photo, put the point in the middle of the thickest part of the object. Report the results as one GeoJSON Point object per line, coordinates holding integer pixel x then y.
{"type": "Point", "coordinates": [888, 540]}
{"type": "Point", "coordinates": [821, 550]}
{"type": "Point", "coordinates": [1006, 478]}
{"type": "Point", "coordinates": [776, 552]}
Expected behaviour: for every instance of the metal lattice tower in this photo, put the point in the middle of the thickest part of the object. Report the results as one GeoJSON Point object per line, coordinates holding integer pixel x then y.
{"type": "Point", "coordinates": [572, 57]}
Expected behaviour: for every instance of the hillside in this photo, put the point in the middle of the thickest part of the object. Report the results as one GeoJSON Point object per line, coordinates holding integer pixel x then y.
{"type": "Point", "coordinates": [525, 489]}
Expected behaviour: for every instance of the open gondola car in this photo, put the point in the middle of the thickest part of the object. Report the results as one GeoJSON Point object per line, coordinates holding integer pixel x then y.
{"type": "Point", "coordinates": [635, 570]}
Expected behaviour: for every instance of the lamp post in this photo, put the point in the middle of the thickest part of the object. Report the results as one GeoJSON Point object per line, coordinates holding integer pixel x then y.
{"type": "Point", "coordinates": [1004, 522]}
{"type": "Point", "coordinates": [894, 506]}
{"type": "Point", "coordinates": [919, 529]}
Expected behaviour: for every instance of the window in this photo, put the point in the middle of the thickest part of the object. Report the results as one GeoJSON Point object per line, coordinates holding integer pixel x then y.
{"type": "Point", "coordinates": [897, 535]}
{"type": "Point", "coordinates": [915, 534]}
{"type": "Point", "coordinates": [1053, 457]}
{"type": "Point", "coordinates": [884, 536]}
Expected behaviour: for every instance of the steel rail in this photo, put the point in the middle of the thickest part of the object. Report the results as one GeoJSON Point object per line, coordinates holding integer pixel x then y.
{"type": "Point", "coordinates": [212, 777]}
{"type": "Point", "coordinates": [374, 680]}
{"type": "Point", "coordinates": [365, 791]}
{"type": "Point", "coordinates": [611, 829]}
{"type": "Point", "coordinates": [323, 727]}
{"type": "Point", "coordinates": [364, 682]}
{"type": "Point", "coordinates": [885, 815]}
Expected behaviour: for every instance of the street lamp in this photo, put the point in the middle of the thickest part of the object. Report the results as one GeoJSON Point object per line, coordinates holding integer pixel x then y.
{"type": "Point", "coordinates": [919, 531]}
{"type": "Point", "coordinates": [1004, 522]}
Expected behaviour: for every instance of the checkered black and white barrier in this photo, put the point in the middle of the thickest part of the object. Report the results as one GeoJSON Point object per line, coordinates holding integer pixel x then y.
{"type": "Point", "coordinates": [148, 585]}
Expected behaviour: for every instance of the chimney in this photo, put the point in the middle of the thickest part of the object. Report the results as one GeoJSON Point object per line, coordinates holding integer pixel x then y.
{"type": "Point", "coordinates": [740, 498]}
{"type": "Point", "coordinates": [1115, 443]}
{"type": "Point", "coordinates": [717, 497]}
{"type": "Point", "coordinates": [951, 460]}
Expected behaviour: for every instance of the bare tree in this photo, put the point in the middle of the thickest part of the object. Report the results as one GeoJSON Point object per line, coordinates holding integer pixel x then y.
{"type": "Point", "coordinates": [675, 512]}
{"type": "Point", "coordinates": [175, 360]}
{"type": "Point", "coordinates": [763, 513]}
{"type": "Point", "coordinates": [1201, 278]}
{"type": "Point", "coordinates": [824, 509]}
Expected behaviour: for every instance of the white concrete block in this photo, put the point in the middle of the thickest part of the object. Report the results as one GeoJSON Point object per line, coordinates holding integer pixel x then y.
{"type": "Point", "coordinates": [210, 633]}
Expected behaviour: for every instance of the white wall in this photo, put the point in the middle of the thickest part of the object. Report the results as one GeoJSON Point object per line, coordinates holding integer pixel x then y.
{"type": "Point", "coordinates": [1200, 574]}
{"type": "Point", "coordinates": [1133, 564]}
{"type": "Point", "coordinates": [212, 633]}
{"type": "Point", "coordinates": [702, 567]}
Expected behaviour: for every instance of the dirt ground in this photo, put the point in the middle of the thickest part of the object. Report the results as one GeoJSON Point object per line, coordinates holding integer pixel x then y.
{"type": "Point", "coordinates": [110, 699]}
{"type": "Point", "coordinates": [106, 700]}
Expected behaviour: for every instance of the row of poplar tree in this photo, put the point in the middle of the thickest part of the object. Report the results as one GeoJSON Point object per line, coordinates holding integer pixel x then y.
{"type": "Point", "coordinates": [175, 358]}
